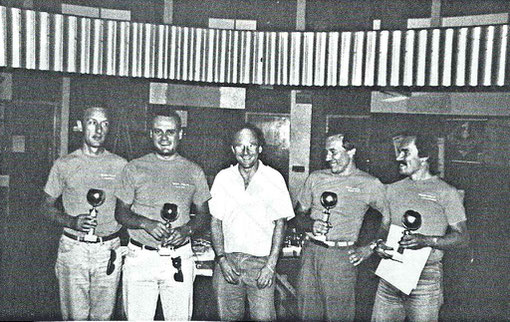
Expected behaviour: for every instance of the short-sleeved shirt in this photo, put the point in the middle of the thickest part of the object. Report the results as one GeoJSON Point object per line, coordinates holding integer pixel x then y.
{"type": "Point", "coordinates": [356, 193]}
{"type": "Point", "coordinates": [147, 183]}
{"type": "Point", "coordinates": [439, 204]}
{"type": "Point", "coordinates": [248, 215]}
{"type": "Point", "coordinates": [74, 174]}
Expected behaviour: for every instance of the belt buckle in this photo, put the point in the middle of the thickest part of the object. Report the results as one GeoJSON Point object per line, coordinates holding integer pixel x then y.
{"type": "Point", "coordinates": [165, 250]}
{"type": "Point", "coordinates": [90, 238]}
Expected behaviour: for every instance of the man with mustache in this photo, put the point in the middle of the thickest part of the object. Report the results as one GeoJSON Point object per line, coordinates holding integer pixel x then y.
{"type": "Point", "coordinates": [87, 291]}
{"type": "Point", "coordinates": [443, 227]}
{"type": "Point", "coordinates": [250, 204]}
{"type": "Point", "coordinates": [159, 262]}
{"type": "Point", "coordinates": [328, 273]}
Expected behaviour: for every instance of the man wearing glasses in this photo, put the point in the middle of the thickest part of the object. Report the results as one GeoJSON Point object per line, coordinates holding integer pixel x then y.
{"type": "Point", "coordinates": [250, 203]}
{"type": "Point", "coordinates": [87, 288]}
{"type": "Point", "coordinates": [159, 262]}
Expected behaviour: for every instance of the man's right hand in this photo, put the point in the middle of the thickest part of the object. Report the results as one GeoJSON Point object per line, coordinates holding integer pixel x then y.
{"type": "Point", "coordinates": [84, 222]}
{"type": "Point", "coordinates": [156, 229]}
{"type": "Point", "coordinates": [229, 271]}
{"type": "Point", "coordinates": [320, 227]}
{"type": "Point", "coordinates": [381, 249]}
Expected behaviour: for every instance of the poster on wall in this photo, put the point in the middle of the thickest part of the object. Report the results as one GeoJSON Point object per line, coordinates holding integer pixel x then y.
{"type": "Point", "coordinates": [465, 140]}
{"type": "Point", "coordinates": [276, 129]}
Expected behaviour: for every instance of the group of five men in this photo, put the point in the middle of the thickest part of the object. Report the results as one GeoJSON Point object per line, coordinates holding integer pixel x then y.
{"type": "Point", "coordinates": [250, 205]}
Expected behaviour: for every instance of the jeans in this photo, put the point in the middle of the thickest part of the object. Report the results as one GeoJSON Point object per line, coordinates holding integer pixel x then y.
{"type": "Point", "coordinates": [422, 304]}
{"type": "Point", "coordinates": [86, 292]}
{"type": "Point", "coordinates": [326, 284]}
{"type": "Point", "coordinates": [231, 297]}
{"type": "Point", "coordinates": [148, 275]}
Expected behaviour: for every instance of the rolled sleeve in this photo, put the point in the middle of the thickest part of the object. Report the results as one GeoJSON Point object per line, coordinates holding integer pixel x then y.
{"type": "Point", "coordinates": [282, 205]}
{"type": "Point", "coordinates": [126, 190]}
{"type": "Point", "coordinates": [454, 207]}
{"type": "Point", "coordinates": [305, 197]}
{"type": "Point", "coordinates": [217, 203]}
{"type": "Point", "coordinates": [379, 201]}
{"type": "Point", "coordinates": [55, 184]}
{"type": "Point", "coordinates": [202, 193]}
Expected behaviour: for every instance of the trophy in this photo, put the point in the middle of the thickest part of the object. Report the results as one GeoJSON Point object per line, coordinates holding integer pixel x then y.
{"type": "Point", "coordinates": [411, 220]}
{"type": "Point", "coordinates": [328, 201]}
{"type": "Point", "coordinates": [95, 198]}
{"type": "Point", "coordinates": [169, 214]}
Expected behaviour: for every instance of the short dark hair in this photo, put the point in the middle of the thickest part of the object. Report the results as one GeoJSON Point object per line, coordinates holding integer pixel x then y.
{"type": "Point", "coordinates": [348, 142]}
{"type": "Point", "coordinates": [427, 148]}
{"type": "Point", "coordinates": [166, 113]}
{"type": "Point", "coordinates": [259, 135]}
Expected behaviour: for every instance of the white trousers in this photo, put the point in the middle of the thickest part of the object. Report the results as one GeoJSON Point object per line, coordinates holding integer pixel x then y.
{"type": "Point", "coordinates": [147, 275]}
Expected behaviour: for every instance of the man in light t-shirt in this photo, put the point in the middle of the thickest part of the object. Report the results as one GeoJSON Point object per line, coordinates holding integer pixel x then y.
{"type": "Point", "coordinates": [443, 227]}
{"type": "Point", "coordinates": [250, 203]}
{"type": "Point", "coordinates": [159, 262]}
{"type": "Point", "coordinates": [87, 268]}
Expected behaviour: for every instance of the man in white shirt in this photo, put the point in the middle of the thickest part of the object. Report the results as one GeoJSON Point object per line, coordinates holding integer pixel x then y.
{"type": "Point", "coordinates": [250, 205]}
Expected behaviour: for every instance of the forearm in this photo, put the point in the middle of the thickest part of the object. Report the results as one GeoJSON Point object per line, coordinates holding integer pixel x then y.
{"type": "Point", "coordinates": [196, 224]}
{"type": "Point", "coordinates": [277, 242]}
{"type": "Point", "coordinates": [303, 221]}
{"type": "Point", "coordinates": [58, 216]}
{"type": "Point", "coordinates": [217, 236]}
{"type": "Point", "coordinates": [450, 240]}
{"type": "Point", "coordinates": [126, 217]}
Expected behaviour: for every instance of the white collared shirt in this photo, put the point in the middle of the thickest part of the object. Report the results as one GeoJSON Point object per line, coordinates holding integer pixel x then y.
{"type": "Point", "coordinates": [248, 215]}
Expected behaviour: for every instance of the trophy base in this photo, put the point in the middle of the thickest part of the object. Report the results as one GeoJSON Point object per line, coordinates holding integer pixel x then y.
{"type": "Point", "coordinates": [90, 238]}
{"type": "Point", "coordinates": [164, 251]}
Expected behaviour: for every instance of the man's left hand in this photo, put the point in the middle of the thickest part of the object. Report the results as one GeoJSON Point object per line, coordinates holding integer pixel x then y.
{"type": "Point", "coordinates": [414, 241]}
{"type": "Point", "coordinates": [358, 254]}
{"type": "Point", "coordinates": [265, 278]}
{"type": "Point", "coordinates": [178, 236]}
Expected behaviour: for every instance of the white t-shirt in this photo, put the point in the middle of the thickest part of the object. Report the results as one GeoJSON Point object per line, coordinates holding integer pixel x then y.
{"type": "Point", "coordinates": [248, 215]}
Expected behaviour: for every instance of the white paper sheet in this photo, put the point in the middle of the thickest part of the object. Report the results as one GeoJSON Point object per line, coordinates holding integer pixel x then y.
{"type": "Point", "coordinates": [403, 275]}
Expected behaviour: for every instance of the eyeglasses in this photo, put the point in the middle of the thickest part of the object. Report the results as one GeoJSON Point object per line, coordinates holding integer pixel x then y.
{"type": "Point", "coordinates": [176, 262]}
{"type": "Point", "coordinates": [111, 262]}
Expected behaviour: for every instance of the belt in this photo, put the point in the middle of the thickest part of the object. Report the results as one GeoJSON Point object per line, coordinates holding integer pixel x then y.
{"type": "Point", "coordinates": [81, 238]}
{"type": "Point", "coordinates": [330, 243]}
{"type": "Point", "coordinates": [137, 243]}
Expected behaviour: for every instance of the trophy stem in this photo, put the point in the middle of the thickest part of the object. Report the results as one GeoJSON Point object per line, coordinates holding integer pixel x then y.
{"type": "Point", "coordinates": [93, 214]}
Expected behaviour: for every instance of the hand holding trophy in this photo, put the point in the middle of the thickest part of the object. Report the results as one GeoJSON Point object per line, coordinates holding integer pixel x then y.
{"type": "Point", "coordinates": [328, 201]}
{"type": "Point", "coordinates": [411, 220]}
{"type": "Point", "coordinates": [95, 198]}
{"type": "Point", "coordinates": [169, 213]}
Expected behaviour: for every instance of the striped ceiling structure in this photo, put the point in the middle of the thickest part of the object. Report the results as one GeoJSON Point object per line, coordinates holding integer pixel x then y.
{"type": "Point", "coordinates": [434, 57]}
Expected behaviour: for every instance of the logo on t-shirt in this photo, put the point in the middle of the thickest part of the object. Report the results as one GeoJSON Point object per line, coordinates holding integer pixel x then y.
{"type": "Point", "coordinates": [107, 176]}
{"type": "Point", "coordinates": [353, 189]}
{"type": "Point", "coordinates": [181, 185]}
{"type": "Point", "coordinates": [428, 196]}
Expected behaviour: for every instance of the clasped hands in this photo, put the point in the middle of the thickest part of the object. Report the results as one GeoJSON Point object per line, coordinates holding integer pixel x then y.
{"type": "Point", "coordinates": [169, 236]}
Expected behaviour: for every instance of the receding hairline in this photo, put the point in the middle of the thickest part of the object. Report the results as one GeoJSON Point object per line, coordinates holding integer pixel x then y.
{"type": "Point", "coordinates": [336, 137]}
{"type": "Point", "coordinates": [89, 111]}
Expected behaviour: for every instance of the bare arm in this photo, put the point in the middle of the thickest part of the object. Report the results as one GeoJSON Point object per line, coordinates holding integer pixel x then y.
{"type": "Point", "coordinates": [302, 220]}
{"type": "Point", "coordinates": [179, 235]}
{"type": "Point", "coordinates": [228, 270]}
{"type": "Point", "coordinates": [125, 216]}
{"type": "Point", "coordinates": [82, 222]}
{"type": "Point", "coordinates": [457, 236]}
{"type": "Point", "coordinates": [266, 274]}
